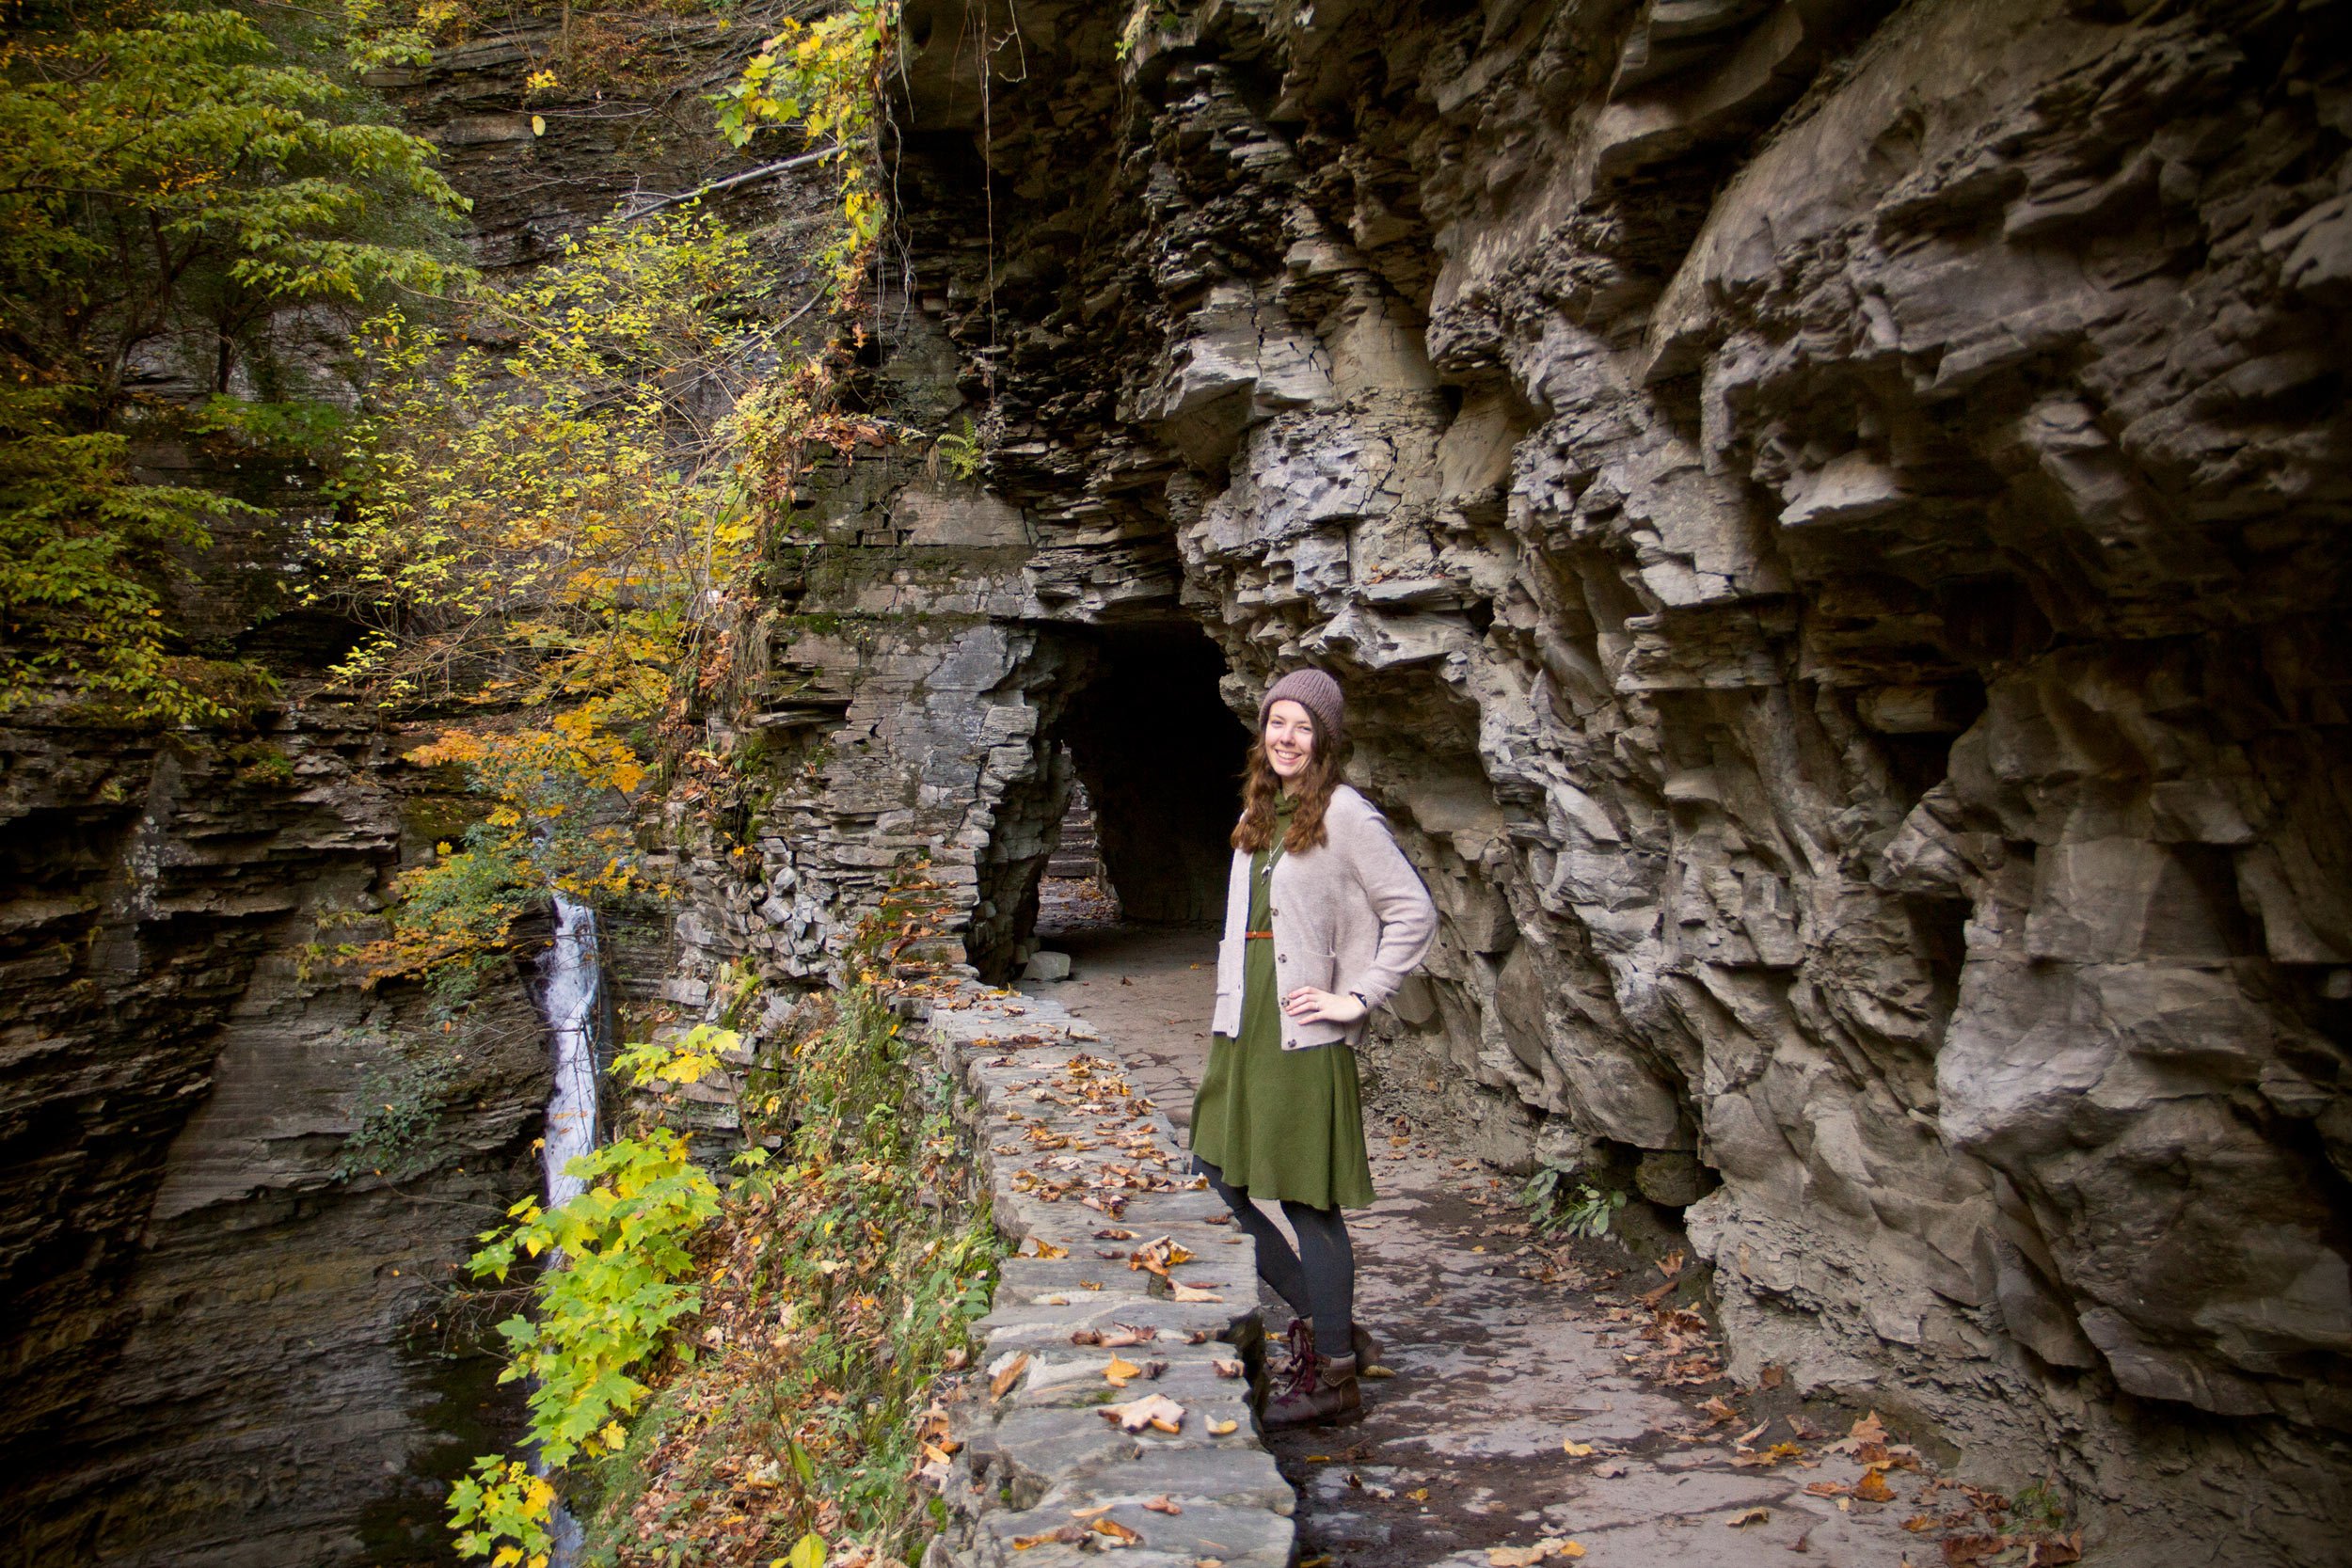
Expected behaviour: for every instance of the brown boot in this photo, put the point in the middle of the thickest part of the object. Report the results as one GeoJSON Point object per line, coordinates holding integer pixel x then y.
{"type": "Point", "coordinates": [1299, 1338]}
{"type": "Point", "coordinates": [1324, 1390]}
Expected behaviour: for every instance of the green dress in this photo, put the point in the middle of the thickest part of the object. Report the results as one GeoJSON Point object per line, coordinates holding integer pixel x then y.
{"type": "Point", "coordinates": [1280, 1124]}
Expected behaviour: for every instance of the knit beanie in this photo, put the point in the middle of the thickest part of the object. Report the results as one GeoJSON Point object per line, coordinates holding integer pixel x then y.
{"type": "Point", "coordinates": [1313, 691]}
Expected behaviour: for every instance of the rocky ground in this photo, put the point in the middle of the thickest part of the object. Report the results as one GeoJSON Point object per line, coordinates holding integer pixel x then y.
{"type": "Point", "coordinates": [1548, 1398]}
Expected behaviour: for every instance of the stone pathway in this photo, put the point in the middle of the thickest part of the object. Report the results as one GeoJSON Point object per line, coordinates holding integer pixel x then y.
{"type": "Point", "coordinates": [1524, 1406]}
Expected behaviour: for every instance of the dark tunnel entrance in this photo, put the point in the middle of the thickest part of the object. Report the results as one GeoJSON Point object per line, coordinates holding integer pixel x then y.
{"type": "Point", "coordinates": [1160, 756]}
{"type": "Point", "coordinates": [1156, 757]}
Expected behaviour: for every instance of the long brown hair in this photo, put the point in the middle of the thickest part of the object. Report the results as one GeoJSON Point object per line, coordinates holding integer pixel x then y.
{"type": "Point", "coordinates": [1262, 787]}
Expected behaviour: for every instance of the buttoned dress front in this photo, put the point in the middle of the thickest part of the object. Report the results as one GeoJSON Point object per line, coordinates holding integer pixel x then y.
{"type": "Point", "coordinates": [1282, 1118]}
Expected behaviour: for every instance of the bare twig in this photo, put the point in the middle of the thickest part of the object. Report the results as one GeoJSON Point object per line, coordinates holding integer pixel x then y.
{"type": "Point", "coordinates": [802, 161]}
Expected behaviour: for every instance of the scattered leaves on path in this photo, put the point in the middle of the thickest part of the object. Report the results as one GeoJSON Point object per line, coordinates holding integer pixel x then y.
{"type": "Point", "coordinates": [1525, 1557]}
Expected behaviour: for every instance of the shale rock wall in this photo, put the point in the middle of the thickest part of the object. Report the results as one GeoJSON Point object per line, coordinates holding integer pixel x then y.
{"type": "Point", "coordinates": [1830, 518]}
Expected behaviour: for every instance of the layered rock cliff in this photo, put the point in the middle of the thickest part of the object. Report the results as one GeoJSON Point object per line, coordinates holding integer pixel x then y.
{"type": "Point", "coordinates": [237, 1183]}
{"type": "Point", "coordinates": [1830, 518]}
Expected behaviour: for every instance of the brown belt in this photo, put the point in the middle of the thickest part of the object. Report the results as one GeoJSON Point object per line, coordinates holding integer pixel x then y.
{"type": "Point", "coordinates": [1258, 936]}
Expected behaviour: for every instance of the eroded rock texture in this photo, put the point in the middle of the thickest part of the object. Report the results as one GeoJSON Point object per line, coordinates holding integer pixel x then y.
{"type": "Point", "coordinates": [218, 1337]}
{"type": "Point", "coordinates": [1830, 519]}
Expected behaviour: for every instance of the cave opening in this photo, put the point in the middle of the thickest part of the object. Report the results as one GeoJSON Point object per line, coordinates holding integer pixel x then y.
{"type": "Point", "coordinates": [1156, 757]}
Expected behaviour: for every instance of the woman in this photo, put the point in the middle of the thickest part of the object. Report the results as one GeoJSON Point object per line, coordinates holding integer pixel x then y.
{"type": "Point", "coordinates": [1323, 918]}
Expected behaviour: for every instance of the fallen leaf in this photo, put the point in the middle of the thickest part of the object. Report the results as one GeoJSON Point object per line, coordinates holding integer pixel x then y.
{"type": "Point", "coordinates": [1773, 1377]}
{"type": "Point", "coordinates": [1120, 1370]}
{"type": "Point", "coordinates": [1419, 1494]}
{"type": "Point", "coordinates": [1119, 1534]}
{"type": "Point", "coordinates": [1225, 1368]}
{"type": "Point", "coordinates": [1525, 1557]}
{"type": "Point", "coordinates": [1223, 1428]}
{"type": "Point", "coordinates": [1070, 1533]}
{"type": "Point", "coordinates": [1086, 1336]}
{"type": "Point", "coordinates": [1153, 1410]}
{"type": "Point", "coordinates": [1719, 1410]}
{"type": "Point", "coordinates": [1866, 1431]}
{"type": "Point", "coordinates": [1124, 1334]}
{"type": "Point", "coordinates": [1181, 1292]}
{"type": "Point", "coordinates": [1006, 1373]}
{"type": "Point", "coordinates": [1091, 1512]}
{"type": "Point", "coordinates": [1749, 1516]}
{"type": "Point", "coordinates": [1872, 1487]}
{"type": "Point", "coordinates": [1671, 1264]}
{"type": "Point", "coordinates": [1162, 1505]}
{"type": "Point", "coordinates": [1575, 1449]}
{"type": "Point", "coordinates": [1750, 1436]}
{"type": "Point", "coordinates": [1047, 1249]}
{"type": "Point", "coordinates": [1377, 1372]}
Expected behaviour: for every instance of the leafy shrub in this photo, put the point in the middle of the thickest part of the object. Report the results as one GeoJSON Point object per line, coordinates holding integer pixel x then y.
{"type": "Point", "coordinates": [1584, 1211]}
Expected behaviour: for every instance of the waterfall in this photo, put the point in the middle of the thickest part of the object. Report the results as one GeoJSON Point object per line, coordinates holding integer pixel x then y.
{"type": "Point", "coordinates": [574, 1005]}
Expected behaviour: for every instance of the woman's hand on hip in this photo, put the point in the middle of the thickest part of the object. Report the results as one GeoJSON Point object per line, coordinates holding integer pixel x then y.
{"type": "Point", "coordinates": [1309, 1005]}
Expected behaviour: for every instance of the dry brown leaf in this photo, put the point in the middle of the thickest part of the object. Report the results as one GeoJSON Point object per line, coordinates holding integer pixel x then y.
{"type": "Point", "coordinates": [1120, 1370]}
{"type": "Point", "coordinates": [1419, 1494]}
{"type": "Point", "coordinates": [1872, 1487]}
{"type": "Point", "coordinates": [1161, 1504]}
{"type": "Point", "coordinates": [1773, 1377]}
{"type": "Point", "coordinates": [1125, 1333]}
{"type": "Point", "coordinates": [1223, 1429]}
{"type": "Point", "coordinates": [1720, 1411]}
{"type": "Point", "coordinates": [1863, 1432]}
{"type": "Point", "coordinates": [1119, 1534]}
{"type": "Point", "coordinates": [1006, 1373]}
{"type": "Point", "coordinates": [1178, 1291]}
{"type": "Point", "coordinates": [1746, 1517]}
{"type": "Point", "coordinates": [1047, 1249]}
{"type": "Point", "coordinates": [1086, 1336]}
{"type": "Point", "coordinates": [1226, 1368]}
{"type": "Point", "coordinates": [1071, 1534]}
{"type": "Point", "coordinates": [1153, 1410]}
{"type": "Point", "coordinates": [1575, 1449]}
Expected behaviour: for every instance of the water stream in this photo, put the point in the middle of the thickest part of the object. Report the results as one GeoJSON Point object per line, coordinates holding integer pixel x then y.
{"type": "Point", "coordinates": [574, 1005]}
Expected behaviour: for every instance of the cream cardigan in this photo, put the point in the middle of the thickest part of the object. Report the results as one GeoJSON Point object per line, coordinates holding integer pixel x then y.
{"type": "Point", "coordinates": [1350, 916]}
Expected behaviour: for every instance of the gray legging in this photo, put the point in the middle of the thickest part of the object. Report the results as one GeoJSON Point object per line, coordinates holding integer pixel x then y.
{"type": "Point", "coordinates": [1319, 1279]}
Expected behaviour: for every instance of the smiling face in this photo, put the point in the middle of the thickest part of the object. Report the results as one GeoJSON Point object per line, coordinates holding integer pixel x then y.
{"type": "Point", "coordinates": [1290, 740]}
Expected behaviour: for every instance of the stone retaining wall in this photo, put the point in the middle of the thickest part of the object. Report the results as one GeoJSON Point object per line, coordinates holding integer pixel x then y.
{"type": "Point", "coordinates": [1073, 1157]}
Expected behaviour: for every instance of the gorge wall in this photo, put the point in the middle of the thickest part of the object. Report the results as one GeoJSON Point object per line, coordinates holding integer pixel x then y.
{"type": "Point", "coordinates": [227, 1319]}
{"type": "Point", "coordinates": [1831, 520]}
